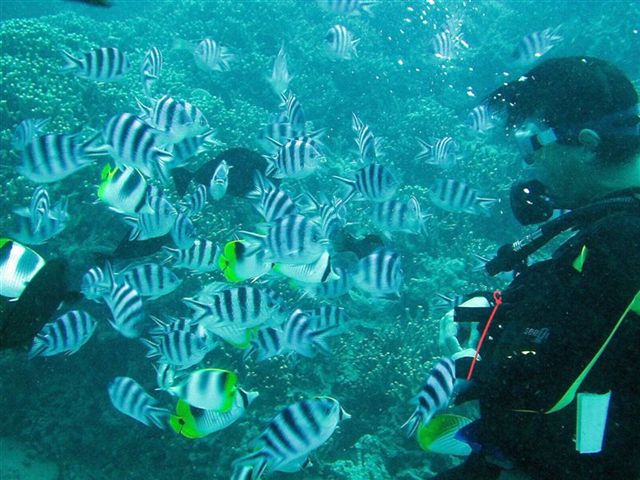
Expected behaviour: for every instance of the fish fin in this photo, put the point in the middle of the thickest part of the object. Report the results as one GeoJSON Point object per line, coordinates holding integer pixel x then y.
{"type": "Point", "coordinates": [72, 63]}
{"type": "Point", "coordinates": [411, 426]}
{"type": "Point", "coordinates": [157, 416]}
{"type": "Point", "coordinates": [152, 346]}
{"type": "Point", "coordinates": [199, 309]}
{"type": "Point", "coordinates": [37, 348]}
{"type": "Point", "coordinates": [258, 462]}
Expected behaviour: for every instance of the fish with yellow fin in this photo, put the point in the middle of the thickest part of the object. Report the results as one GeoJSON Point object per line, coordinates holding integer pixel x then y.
{"type": "Point", "coordinates": [238, 262]}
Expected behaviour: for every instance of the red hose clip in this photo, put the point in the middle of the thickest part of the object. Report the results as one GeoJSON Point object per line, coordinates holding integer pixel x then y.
{"type": "Point", "coordinates": [497, 297]}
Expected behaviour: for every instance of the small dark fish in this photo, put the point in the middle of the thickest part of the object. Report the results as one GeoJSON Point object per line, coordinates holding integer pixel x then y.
{"type": "Point", "coordinates": [22, 319]}
{"type": "Point", "coordinates": [94, 3]}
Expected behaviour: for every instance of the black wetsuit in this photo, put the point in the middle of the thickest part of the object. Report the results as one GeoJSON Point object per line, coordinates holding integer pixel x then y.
{"type": "Point", "coordinates": [555, 317]}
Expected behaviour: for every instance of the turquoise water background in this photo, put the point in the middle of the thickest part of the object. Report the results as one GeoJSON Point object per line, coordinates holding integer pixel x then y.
{"type": "Point", "coordinates": [58, 421]}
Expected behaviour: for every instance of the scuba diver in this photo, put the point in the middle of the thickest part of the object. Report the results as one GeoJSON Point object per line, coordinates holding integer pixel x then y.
{"type": "Point", "coordinates": [554, 356]}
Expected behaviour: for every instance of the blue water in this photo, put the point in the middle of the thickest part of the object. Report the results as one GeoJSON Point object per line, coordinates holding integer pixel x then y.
{"type": "Point", "coordinates": [57, 411]}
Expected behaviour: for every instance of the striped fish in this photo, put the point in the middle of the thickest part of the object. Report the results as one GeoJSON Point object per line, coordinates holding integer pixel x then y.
{"type": "Point", "coordinates": [165, 375]}
{"type": "Point", "coordinates": [133, 143]}
{"type": "Point", "coordinates": [18, 265]}
{"type": "Point", "coordinates": [124, 189]}
{"type": "Point", "coordinates": [242, 307]}
{"type": "Point", "coordinates": [454, 196]}
{"type": "Point", "coordinates": [374, 182]}
{"type": "Point", "coordinates": [316, 272]}
{"type": "Point", "coordinates": [95, 284]}
{"type": "Point", "coordinates": [238, 262]}
{"type": "Point", "coordinates": [219, 181]}
{"type": "Point", "coordinates": [195, 201]}
{"type": "Point", "coordinates": [189, 147]}
{"type": "Point", "coordinates": [534, 45]}
{"type": "Point", "coordinates": [173, 324]}
{"type": "Point", "coordinates": [150, 69]}
{"type": "Point", "coordinates": [329, 319]}
{"type": "Point", "coordinates": [125, 304]}
{"type": "Point", "coordinates": [151, 280]}
{"type": "Point", "coordinates": [441, 303]}
{"type": "Point", "coordinates": [50, 158]}
{"type": "Point", "coordinates": [183, 232]}
{"type": "Point", "coordinates": [444, 152]}
{"type": "Point", "coordinates": [332, 213]}
{"type": "Point", "coordinates": [434, 396]}
{"type": "Point", "coordinates": [293, 239]}
{"type": "Point", "coordinates": [293, 109]}
{"type": "Point", "coordinates": [131, 399]}
{"type": "Point", "coordinates": [270, 201]}
{"type": "Point", "coordinates": [367, 143]}
{"type": "Point", "coordinates": [211, 56]}
{"type": "Point", "coordinates": [379, 274]}
{"type": "Point", "coordinates": [301, 337]}
{"type": "Point", "coordinates": [399, 216]}
{"type": "Point", "coordinates": [481, 118]}
{"type": "Point", "coordinates": [45, 226]}
{"type": "Point", "coordinates": [106, 64]}
{"type": "Point", "coordinates": [445, 43]}
{"type": "Point", "coordinates": [203, 256]}
{"type": "Point", "coordinates": [176, 119]}
{"type": "Point", "coordinates": [340, 43]}
{"type": "Point", "coordinates": [267, 343]}
{"type": "Point", "coordinates": [178, 348]}
{"type": "Point", "coordinates": [208, 388]}
{"type": "Point", "coordinates": [26, 130]}
{"type": "Point", "coordinates": [297, 158]}
{"type": "Point", "coordinates": [155, 220]}
{"type": "Point", "coordinates": [280, 77]}
{"type": "Point", "coordinates": [348, 7]}
{"type": "Point", "coordinates": [65, 334]}
{"type": "Point", "coordinates": [280, 129]}
{"type": "Point", "coordinates": [332, 288]}
{"type": "Point", "coordinates": [192, 422]}
{"type": "Point", "coordinates": [293, 434]}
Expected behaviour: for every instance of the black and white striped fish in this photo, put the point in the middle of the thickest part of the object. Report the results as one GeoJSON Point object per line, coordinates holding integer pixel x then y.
{"type": "Point", "coordinates": [95, 284]}
{"type": "Point", "coordinates": [18, 266]}
{"type": "Point", "coordinates": [212, 56]}
{"type": "Point", "coordinates": [534, 45]}
{"type": "Point", "coordinates": [301, 337]}
{"type": "Point", "coordinates": [151, 280]}
{"type": "Point", "coordinates": [280, 129]}
{"type": "Point", "coordinates": [348, 7]}
{"type": "Point", "coordinates": [175, 118]}
{"type": "Point", "coordinates": [443, 152]}
{"type": "Point", "coordinates": [50, 158]}
{"type": "Point", "coordinates": [201, 257]}
{"type": "Point", "coordinates": [219, 181]}
{"type": "Point", "coordinates": [293, 434]}
{"type": "Point", "coordinates": [293, 239]}
{"type": "Point", "coordinates": [331, 289]}
{"type": "Point", "coordinates": [379, 274]}
{"type": "Point", "coordinates": [374, 182]}
{"type": "Point", "coordinates": [329, 319]}
{"type": "Point", "coordinates": [165, 375]}
{"type": "Point", "coordinates": [173, 324]}
{"type": "Point", "coordinates": [270, 201]}
{"type": "Point", "coordinates": [131, 399]}
{"type": "Point", "coordinates": [316, 272]}
{"type": "Point", "coordinates": [150, 69]}
{"type": "Point", "coordinates": [340, 43]}
{"type": "Point", "coordinates": [26, 131]}
{"type": "Point", "coordinates": [434, 396]}
{"type": "Point", "coordinates": [293, 109]}
{"type": "Point", "coordinates": [189, 147]}
{"type": "Point", "coordinates": [268, 343]}
{"type": "Point", "coordinates": [448, 40]}
{"type": "Point", "coordinates": [296, 158]}
{"type": "Point", "coordinates": [34, 229]}
{"type": "Point", "coordinates": [183, 232]}
{"type": "Point", "coordinates": [65, 334]}
{"type": "Point", "coordinates": [195, 201]}
{"type": "Point", "coordinates": [399, 216]}
{"type": "Point", "coordinates": [454, 196]}
{"type": "Point", "coordinates": [208, 388]}
{"type": "Point", "coordinates": [367, 143]}
{"type": "Point", "coordinates": [242, 307]}
{"type": "Point", "coordinates": [179, 348]}
{"type": "Point", "coordinates": [481, 118]}
{"type": "Point", "coordinates": [124, 189]}
{"type": "Point", "coordinates": [106, 64]}
{"type": "Point", "coordinates": [133, 143]}
{"type": "Point", "coordinates": [125, 304]}
{"type": "Point", "coordinates": [280, 77]}
{"type": "Point", "coordinates": [332, 213]}
{"type": "Point", "coordinates": [155, 220]}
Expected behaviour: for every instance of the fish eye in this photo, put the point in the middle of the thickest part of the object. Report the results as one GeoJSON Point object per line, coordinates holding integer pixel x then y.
{"type": "Point", "coordinates": [330, 36]}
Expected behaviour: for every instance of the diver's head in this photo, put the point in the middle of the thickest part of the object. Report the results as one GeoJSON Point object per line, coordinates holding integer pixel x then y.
{"type": "Point", "coordinates": [577, 124]}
